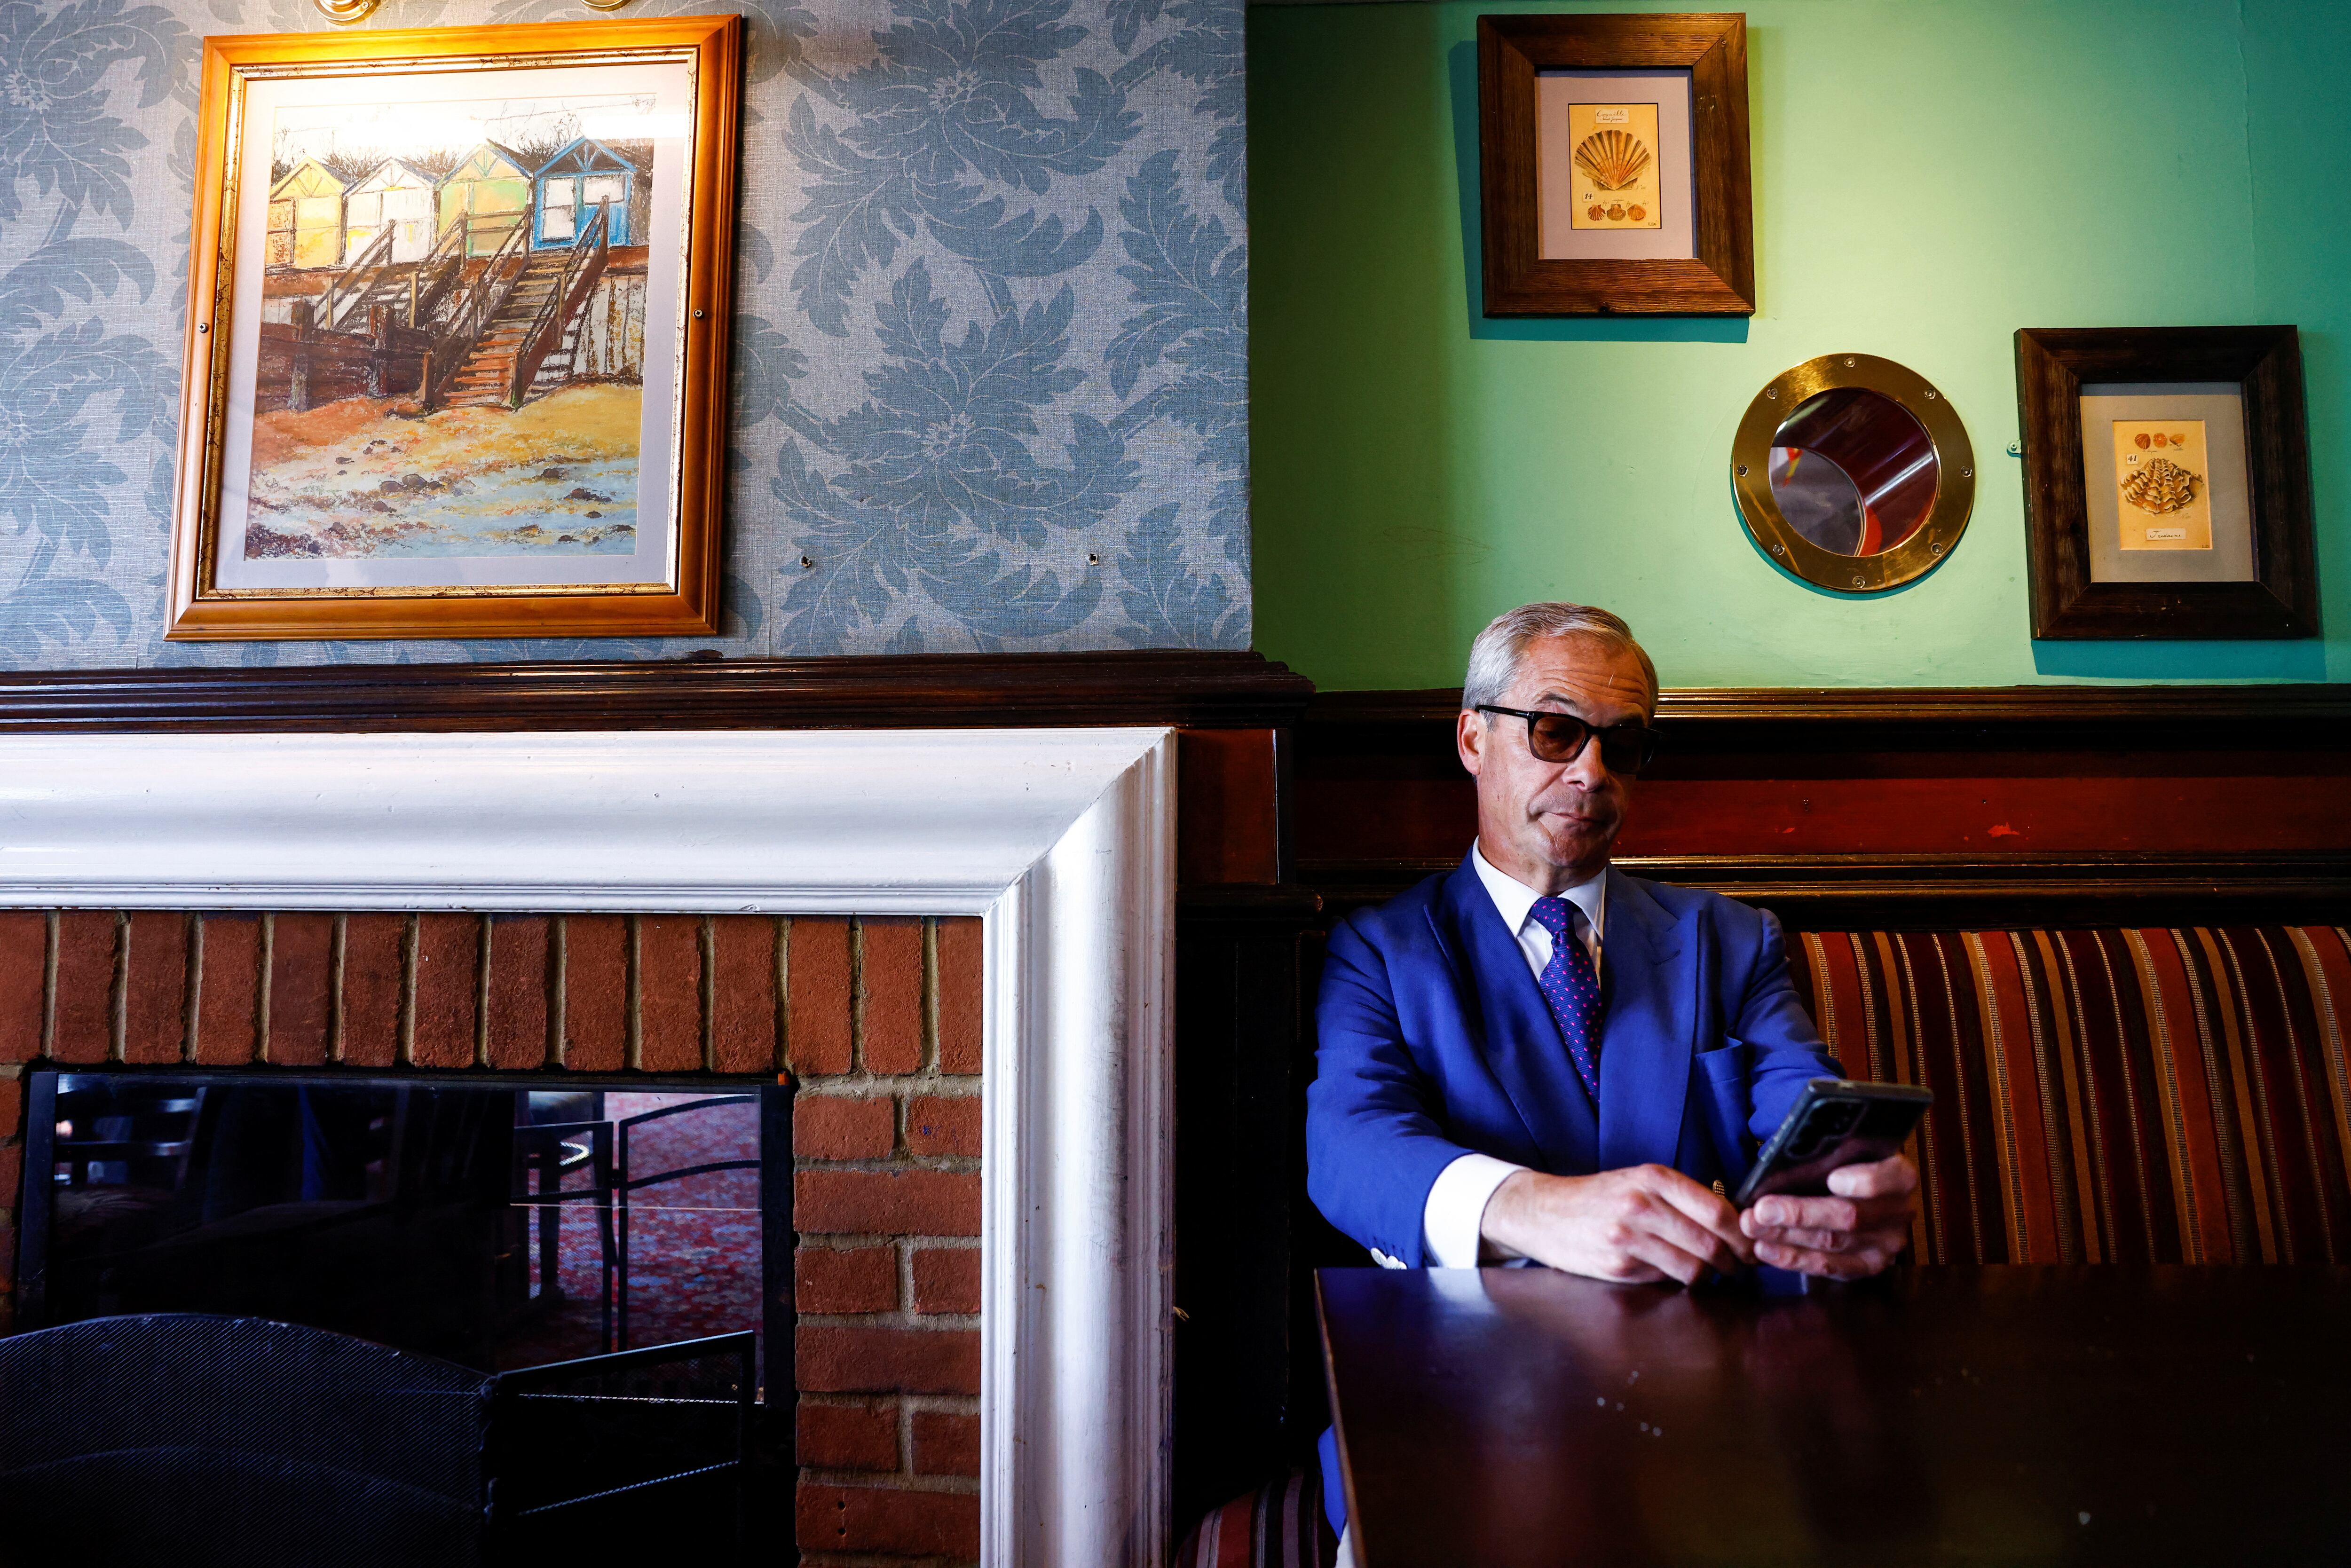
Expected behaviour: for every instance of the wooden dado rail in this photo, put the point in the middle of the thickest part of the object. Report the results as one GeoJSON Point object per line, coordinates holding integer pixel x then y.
{"type": "Point", "coordinates": [2029, 804]}
{"type": "Point", "coordinates": [1890, 807]}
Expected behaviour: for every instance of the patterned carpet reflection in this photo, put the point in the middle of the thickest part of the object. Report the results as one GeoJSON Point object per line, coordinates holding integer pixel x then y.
{"type": "Point", "coordinates": [691, 1245]}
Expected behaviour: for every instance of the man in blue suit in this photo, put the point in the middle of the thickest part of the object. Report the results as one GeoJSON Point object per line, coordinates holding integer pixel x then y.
{"type": "Point", "coordinates": [1535, 1058]}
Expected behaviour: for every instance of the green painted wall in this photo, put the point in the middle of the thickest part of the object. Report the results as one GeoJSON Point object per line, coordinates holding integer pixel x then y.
{"type": "Point", "coordinates": [1930, 176]}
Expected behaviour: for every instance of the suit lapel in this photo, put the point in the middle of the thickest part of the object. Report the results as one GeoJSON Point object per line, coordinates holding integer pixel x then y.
{"type": "Point", "coordinates": [1521, 1042]}
{"type": "Point", "coordinates": [1650, 1027]}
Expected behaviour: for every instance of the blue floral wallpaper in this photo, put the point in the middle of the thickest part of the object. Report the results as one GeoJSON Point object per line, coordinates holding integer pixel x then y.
{"type": "Point", "coordinates": [991, 344]}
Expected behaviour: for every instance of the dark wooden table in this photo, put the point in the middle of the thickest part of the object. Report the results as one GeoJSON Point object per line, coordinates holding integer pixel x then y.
{"type": "Point", "coordinates": [1997, 1415]}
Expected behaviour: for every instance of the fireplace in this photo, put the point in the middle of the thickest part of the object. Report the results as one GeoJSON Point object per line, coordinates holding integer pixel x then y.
{"type": "Point", "coordinates": [373, 906]}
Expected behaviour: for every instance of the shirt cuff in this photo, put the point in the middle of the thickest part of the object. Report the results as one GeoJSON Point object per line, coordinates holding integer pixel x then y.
{"type": "Point", "coordinates": [1450, 1220]}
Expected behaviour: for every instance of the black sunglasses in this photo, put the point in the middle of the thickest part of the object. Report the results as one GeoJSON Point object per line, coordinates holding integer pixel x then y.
{"type": "Point", "coordinates": [1560, 738]}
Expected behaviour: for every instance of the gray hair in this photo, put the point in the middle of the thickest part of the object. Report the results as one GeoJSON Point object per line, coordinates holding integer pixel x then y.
{"type": "Point", "coordinates": [1494, 656]}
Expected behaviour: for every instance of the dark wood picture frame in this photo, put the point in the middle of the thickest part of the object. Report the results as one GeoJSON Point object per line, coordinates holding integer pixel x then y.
{"type": "Point", "coordinates": [1719, 280]}
{"type": "Point", "coordinates": [2265, 364]}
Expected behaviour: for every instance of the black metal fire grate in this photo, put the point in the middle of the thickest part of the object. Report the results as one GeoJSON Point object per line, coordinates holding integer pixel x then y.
{"type": "Point", "coordinates": [192, 1440]}
{"type": "Point", "coordinates": [584, 1453]}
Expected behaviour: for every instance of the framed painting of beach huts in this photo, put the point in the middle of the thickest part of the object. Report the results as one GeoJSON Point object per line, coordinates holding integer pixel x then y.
{"type": "Point", "coordinates": [456, 351]}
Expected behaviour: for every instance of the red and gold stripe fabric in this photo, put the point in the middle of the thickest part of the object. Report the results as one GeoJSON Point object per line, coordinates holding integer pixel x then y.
{"type": "Point", "coordinates": [2165, 1095]}
{"type": "Point", "coordinates": [1280, 1525]}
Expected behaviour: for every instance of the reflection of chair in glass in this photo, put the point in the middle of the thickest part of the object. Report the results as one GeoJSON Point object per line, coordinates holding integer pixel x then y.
{"type": "Point", "coordinates": [551, 1150]}
{"type": "Point", "coordinates": [626, 1183]}
{"type": "Point", "coordinates": [134, 1141]}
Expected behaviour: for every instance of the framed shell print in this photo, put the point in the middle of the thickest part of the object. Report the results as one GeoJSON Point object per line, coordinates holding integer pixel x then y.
{"type": "Point", "coordinates": [1614, 165]}
{"type": "Point", "coordinates": [455, 351]}
{"type": "Point", "coordinates": [2166, 483]}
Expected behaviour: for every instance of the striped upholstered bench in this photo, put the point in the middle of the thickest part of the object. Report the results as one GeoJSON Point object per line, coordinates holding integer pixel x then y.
{"type": "Point", "coordinates": [2109, 1095]}
{"type": "Point", "coordinates": [1280, 1525]}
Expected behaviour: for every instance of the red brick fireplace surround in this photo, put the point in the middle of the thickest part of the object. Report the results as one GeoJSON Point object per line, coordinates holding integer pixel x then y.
{"type": "Point", "coordinates": [877, 1020]}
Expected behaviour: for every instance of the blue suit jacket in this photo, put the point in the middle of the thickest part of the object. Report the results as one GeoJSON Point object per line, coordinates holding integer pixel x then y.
{"type": "Point", "coordinates": [1435, 1042]}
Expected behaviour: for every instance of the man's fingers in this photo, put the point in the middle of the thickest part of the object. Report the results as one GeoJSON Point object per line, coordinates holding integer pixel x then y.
{"type": "Point", "coordinates": [1892, 1177]}
{"type": "Point", "coordinates": [1810, 1213]}
{"type": "Point", "coordinates": [1707, 1210]}
{"type": "Point", "coordinates": [1668, 1257]}
{"type": "Point", "coordinates": [1830, 1265]}
{"type": "Point", "coordinates": [1816, 1240]}
{"type": "Point", "coordinates": [1827, 1214]}
{"type": "Point", "coordinates": [1686, 1235]}
{"type": "Point", "coordinates": [1888, 1238]}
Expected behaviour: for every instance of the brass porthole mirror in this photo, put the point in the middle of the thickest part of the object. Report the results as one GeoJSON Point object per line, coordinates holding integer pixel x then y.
{"type": "Point", "coordinates": [1854, 473]}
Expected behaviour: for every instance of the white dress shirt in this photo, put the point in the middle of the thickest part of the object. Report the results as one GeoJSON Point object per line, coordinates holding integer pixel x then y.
{"type": "Point", "coordinates": [1456, 1209]}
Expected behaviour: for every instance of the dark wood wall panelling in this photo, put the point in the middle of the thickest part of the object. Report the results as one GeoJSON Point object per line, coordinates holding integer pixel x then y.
{"type": "Point", "coordinates": [2023, 805]}
{"type": "Point", "coordinates": [1223, 690]}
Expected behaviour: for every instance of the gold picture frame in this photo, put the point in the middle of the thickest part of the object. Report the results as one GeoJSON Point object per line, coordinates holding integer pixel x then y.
{"type": "Point", "coordinates": [1929, 528]}
{"type": "Point", "coordinates": [456, 344]}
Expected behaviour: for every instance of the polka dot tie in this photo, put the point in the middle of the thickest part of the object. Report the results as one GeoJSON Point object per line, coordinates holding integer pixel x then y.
{"type": "Point", "coordinates": [1572, 986]}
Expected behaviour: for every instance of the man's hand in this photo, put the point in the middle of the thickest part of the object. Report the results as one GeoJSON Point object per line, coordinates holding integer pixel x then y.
{"type": "Point", "coordinates": [1855, 1232]}
{"type": "Point", "coordinates": [1644, 1223]}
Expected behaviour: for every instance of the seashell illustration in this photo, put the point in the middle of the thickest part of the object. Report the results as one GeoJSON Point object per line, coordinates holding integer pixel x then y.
{"type": "Point", "coordinates": [1637, 213]}
{"type": "Point", "coordinates": [2178, 440]}
{"type": "Point", "coordinates": [1617, 209]}
{"type": "Point", "coordinates": [1612, 159]}
{"type": "Point", "coordinates": [2160, 487]}
{"type": "Point", "coordinates": [1595, 212]}
{"type": "Point", "coordinates": [2159, 440]}
{"type": "Point", "coordinates": [2142, 439]}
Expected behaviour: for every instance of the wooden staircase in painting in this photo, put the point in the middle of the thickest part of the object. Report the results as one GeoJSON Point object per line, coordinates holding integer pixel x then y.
{"type": "Point", "coordinates": [530, 319]}
{"type": "Point", "coordinates": [486, 374]}
{"type": "Point", "coordinates": [413, 290]}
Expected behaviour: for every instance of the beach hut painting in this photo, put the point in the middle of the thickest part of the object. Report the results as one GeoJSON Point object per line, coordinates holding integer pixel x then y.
{"type": "Point", "coordinates": [469, 382]}
{"type": "Point", "coordinates": [416, 410]}
{"type": "Point", "coordinates": [582, 177]}
{"type": "Point", "coordinates": [398, 196]}
{"type": "Point", "coordinates": [489, 186]}
{"type": "Point", "coordinates": [306, 218]}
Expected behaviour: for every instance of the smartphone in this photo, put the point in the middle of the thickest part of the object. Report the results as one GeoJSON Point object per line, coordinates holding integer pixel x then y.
{"type": "Point", "coordinates": [1835, 1122]}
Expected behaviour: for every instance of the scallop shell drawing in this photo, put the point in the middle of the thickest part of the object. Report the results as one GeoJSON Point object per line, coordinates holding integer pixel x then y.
{"type": "Point", "coordinates": [1636, 212]}
{"type": "Point", "coordinates": [1612, 159]}
{"type": "Point", "coordinates": [1616, 209]}
{"type": "Point", "coordinates": [2160, 487]}
{"type": "Point", "coordinates": [1595, 212]}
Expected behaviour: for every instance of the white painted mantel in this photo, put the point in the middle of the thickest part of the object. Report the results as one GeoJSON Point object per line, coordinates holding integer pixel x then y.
{"type": "Point", "coordinates": [1062, 841]}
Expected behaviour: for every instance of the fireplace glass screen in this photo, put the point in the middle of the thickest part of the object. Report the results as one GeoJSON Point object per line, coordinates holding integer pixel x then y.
{"type": "Point", "coordinates": [496, 1224]}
